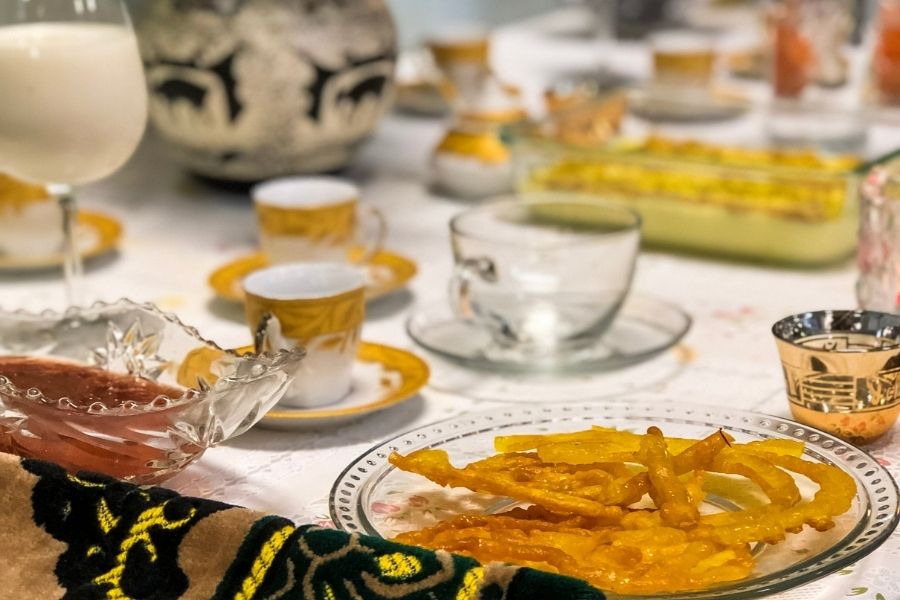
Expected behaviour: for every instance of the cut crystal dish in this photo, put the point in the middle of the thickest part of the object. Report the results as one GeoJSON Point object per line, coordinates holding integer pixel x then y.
{"type": "Point", "coordinates": [217, 394]}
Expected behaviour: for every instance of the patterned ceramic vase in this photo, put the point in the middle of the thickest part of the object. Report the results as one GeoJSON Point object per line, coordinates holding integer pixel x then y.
{"type": "Point", "coordinates": [249, 89]}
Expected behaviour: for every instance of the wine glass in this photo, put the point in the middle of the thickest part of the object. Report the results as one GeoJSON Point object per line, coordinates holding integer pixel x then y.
{"type": "Point", "coordinates": [73, 105]}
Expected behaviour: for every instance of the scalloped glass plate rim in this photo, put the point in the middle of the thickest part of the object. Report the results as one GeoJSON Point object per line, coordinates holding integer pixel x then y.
{"type": "Point", "coordinates": [349, 488]}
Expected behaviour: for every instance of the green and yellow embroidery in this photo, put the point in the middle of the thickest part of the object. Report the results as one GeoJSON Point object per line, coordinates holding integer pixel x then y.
{"type": "Point", "coordinates": [399, 565]}
{"type": "Point", "coordinates": [471, 584]}
{"type": "Point", "coordinates": [328, 593]}
{"type": "Point", "coordinates": [85, 483]}
{"type": "Point", "coordinates": [124, 542]}
{"type": "Point", "coordinates": [263, 563]}
{"type": "Point", "coordinates": [138, 534]}
{"type": "Point", "coordinates": [107, 520]}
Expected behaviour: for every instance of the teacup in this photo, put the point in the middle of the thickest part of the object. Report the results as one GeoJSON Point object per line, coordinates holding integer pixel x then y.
{"type": "Point", "coordinates": [546, 274]}
{"type": "Point", "coordinates": [319, 306]}
{"type": "Point", "coordinates": [682, 58]}
{"type": "Point", "coordinates": [30, 220]}
{"type": "Point", "coordinates": [304, 219]}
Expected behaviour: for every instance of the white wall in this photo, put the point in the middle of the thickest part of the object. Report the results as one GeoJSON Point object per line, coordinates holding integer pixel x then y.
{"type": "Point", "coordinates": [417, 18]}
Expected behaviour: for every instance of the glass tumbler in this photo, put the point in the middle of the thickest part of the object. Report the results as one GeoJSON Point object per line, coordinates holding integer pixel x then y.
{"type": "Point", "coordinates": [878, 259]}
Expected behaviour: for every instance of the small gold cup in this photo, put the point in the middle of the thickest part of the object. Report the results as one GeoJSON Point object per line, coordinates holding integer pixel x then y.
{"type": "Point", "coordinates": [842, 370]}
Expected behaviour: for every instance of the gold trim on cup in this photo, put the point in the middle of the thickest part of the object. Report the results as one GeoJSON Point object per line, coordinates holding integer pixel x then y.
{"type": "Point", "coordinates": [305, 319]}
{"type": "Point", "coordinates": [335, 223]}
{"type": "Point", "coordinates": [475, 50]}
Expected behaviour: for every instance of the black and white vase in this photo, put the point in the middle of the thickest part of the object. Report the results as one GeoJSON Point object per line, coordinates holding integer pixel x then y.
{"type": "Point", "coordinates": [245, 90]}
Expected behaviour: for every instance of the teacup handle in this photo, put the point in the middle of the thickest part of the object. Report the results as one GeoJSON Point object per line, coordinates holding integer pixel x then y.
{"type": "Point", "coordinates": [267, 334]}
{"type": "Point", "coordinates": [464, 273]}
{"type": "Point", "coordinates": [371, 232]}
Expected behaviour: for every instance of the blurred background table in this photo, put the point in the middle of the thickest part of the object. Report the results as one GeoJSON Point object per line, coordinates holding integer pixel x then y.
{"type": "Point", "coordinates": [178, 229]}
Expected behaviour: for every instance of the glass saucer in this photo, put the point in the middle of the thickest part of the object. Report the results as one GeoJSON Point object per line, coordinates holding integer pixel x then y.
{"type": "Point", "coordinates": [644, 328]}
{"type": "Point", "coordinates": [373, 497]}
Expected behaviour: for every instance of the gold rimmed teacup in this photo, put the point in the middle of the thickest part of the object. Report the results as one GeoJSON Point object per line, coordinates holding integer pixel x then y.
{"type": "Point", "coordinates": [305, 219]}
{"type": "Point", "coordinates": [319, 306]}
{"type": "Point", "coordinates": [842, 370]}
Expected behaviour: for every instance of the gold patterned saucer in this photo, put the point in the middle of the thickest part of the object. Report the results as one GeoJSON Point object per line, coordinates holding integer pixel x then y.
{"type": "Point", "coordinates": [387, 273]}
{"type": "Point", "coordinates": [97, 234]}
{"type": "Point", "coordinates": [383, 376]}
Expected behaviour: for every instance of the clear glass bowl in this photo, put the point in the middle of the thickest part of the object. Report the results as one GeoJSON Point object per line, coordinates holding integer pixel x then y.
{"type": "Point", "coordinates": [373, 497]}
{"type": "Point", "coordinates": [224, 394]}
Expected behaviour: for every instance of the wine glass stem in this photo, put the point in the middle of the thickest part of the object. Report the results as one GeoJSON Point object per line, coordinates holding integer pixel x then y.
{"type": "Point", "coordinates": [73, 270]}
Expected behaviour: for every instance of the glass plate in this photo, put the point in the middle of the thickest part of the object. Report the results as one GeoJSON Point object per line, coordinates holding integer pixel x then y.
{"type": "Point", "coordinates": [374, 498]}
{"type": "Point", "coordinates": [643, 328]}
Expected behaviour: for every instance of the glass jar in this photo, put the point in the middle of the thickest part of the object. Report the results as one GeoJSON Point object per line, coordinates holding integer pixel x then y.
{"type": "Point", "coordinates": [815, 102]}
{"type": "Point", "coordinates": [809, 40]}
{"type": "Point", "coordinates": [886, 54]}
{"type": "Point", "coordinates": [878, 287]}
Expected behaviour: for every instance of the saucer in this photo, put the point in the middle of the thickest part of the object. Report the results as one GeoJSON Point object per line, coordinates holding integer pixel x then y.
{"type": "Point", "coordinates": [387, 273]}
{"type": "Point", "coordinates": [383, 376]}
{"type": "Point", "coordinates": [96, 234]}
{"type": "Point", "coordinates": [661, 104]}
{"type": "Point", "coordinates": [644, 328]}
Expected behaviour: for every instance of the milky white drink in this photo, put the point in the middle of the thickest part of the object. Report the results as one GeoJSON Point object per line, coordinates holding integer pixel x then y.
{"type": "Point", "coordinates": [73, 102]}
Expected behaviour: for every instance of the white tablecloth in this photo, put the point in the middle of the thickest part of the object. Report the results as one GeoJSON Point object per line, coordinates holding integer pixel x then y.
{"type": "Point", "coordinates": [178, 230]}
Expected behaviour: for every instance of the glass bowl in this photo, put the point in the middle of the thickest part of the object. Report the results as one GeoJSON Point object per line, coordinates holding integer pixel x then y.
{"type": "Point", "coordinates": [219, 393]}
{"type": "Point", "coordinates": [373, 497]}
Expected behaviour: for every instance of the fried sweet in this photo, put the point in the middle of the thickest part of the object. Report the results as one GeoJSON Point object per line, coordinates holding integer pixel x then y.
{"type": "Point", "coordinates": [667, 491]}
{"type": "Point", "coordinates": [601, 444]}
{"type": "Point", "coordinates": [693, 458]}
{"type": "Point", "coordinates": [777, 485]}
{"type": "Point", "coordinates": [589, 515]}
{"type": "Point", "coordinates": [771, 522]}
{"type": "Point", "coordinates": [647, 560]}
{"type": "Point", "coordinates": [602, 439]}
{"type": "Point", "coordinates": [515, 483]}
